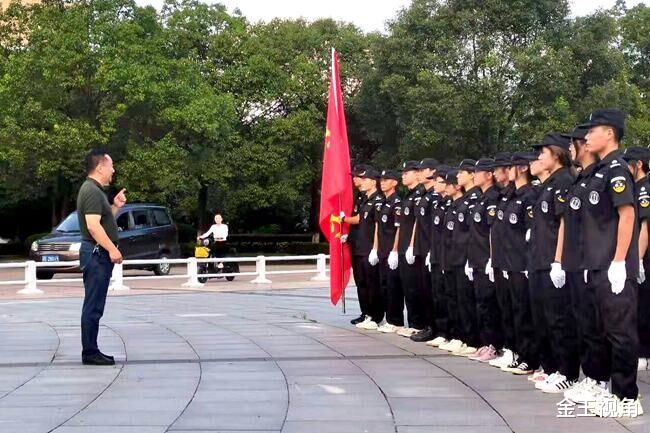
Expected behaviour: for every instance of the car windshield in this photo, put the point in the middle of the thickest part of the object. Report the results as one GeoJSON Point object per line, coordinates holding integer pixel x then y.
{"type": "Point", "coordinates": [70, 224]}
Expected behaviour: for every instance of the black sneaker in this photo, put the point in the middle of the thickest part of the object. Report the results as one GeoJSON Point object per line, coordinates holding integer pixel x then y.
{"type": "Point", "coordinates": [358, 320]}
{"type": "Point", "coordinates": [425, 335]}
{"type": "Point", "coordinates": [97, 360]}
{"type": "Point", "coordinates": [522, 369]}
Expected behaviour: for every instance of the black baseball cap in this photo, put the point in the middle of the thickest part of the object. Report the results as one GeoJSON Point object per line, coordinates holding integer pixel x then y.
{"type": "Point", "coordinates": [390, 174]}
{"type": "Point", "coordinates": [578, 133]}
{"type": "Point", "coordinates": [430, 163]}
{"type": "Point", "coordinates": [357, 169]}
{"type": "Point", "coordinates": [502, 159]}
{"type": "Point", "coordinates": [523, 158]}
{"type": "Point", "coordinates": [467, 165]}
{"type": "Point", "coordinates": [441, 171]}
{"type": "Point", "coordinates": [410, 165]}
{"type": "Point", "coordinates": [370, 173]}
{"type": "Point", "coordinates": [484, 164]}
{"type": "Point", "coordinates": [452, 177]}
{"type": "Point", "coordinates": [554, 139]}
{"type": "Point", "coordinates": [636, 154]}
{"type": "Point", "coordinates": [608, 117]}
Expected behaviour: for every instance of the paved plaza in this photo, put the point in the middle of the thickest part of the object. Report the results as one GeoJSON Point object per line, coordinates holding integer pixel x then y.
{"type": "Point", "coordinates": [253, 361]}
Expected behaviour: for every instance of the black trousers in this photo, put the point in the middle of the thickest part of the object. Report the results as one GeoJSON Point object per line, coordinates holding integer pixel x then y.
{"type": "Point", "coordinates": [97, 270]}
{"type": "Point", "coordinates": [440, 312]}
{"type": "Point", "coordinates": [526, 342]}
{"type": "Point", "coordinates": [562, 328]}
{"type": "Point", "coordinates": [643, 316]}
{"type": "Point", "coordinates": [466, 308]}
{"type": "Point", "coordinates": [504, 299]}
{"type": "Point", "coordinates": [357, 273]}
{"type": "Point", "coordinates": [452, 324]}
{"type": "Point", "coordinates": [617, 315]}
{"type": "Point", "coordinates": [538, 283]}
{"type": "Point", "coordinates": [488, 312]}
{"type": "Point", "coordinates": [370, 290]}
{"type": "Point", "coordinates": [426, 292]}
{"type": "Point", "coordinates": [392, 294]}
{"type": "Point", "coordinates": [411, 287]}
{"type": "Point", "coordinates": [591, 336]}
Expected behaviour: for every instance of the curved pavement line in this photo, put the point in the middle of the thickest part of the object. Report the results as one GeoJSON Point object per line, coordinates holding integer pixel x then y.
{"type": "Point", "coordinates": [271, 359]}
{"type": "Point", "coordinates": [102, 391]}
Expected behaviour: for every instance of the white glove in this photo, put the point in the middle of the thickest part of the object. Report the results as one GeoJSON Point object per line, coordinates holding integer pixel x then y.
{"type": "Point", "coordinates": [427, 261]}
{"type": "Point", "coordinates": [558, 276]}
{"type": "Point", "coordinates": [528, 235]}
{"type": "Point", "coordinates": [505, 275]}
{"type": "Point", "coordinates": [410, 257]}
{"type": "Point", "coordinates": [584, 276]}
{"type": "Point", "coordinates": [469, 271]}
{"type": "Point", "coordinates": [393, 260]}
{"type": "Point", "coordinates": [342, 215]}
{"type": "Point", "coordinates": [344, 238]}
{"type": "Point", "coordinates": [525, 274]}
{"type": "Point", "coordinates": [641, 278]}
{"type": "Point", "coordinates": [617, 275]}
{"type": "Point", "coordinates": [489, 270]}
{"type": "Point", "coordinates": [373, 258]}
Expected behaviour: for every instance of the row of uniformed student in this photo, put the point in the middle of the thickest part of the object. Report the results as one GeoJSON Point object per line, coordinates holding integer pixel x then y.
{"type": "Point", "coordinates": [528, 262]}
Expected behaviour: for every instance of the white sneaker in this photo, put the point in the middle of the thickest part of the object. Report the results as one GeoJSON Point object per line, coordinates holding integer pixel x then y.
{"type": "Point", "coordinates": [460, 350]}
{"type": "Point", "coordinates": [467, 351]}
{"type": "Point", "coordinates": [538, 376]}
{"type": "Point", "coordinates": [452, 346]}
{"type": "Point", "coordinates": [585, 391]}
{"type": "Point", "coordinates": [643, 364]}
{"type": "Point", "coordinates": [369, 325]}
{"type": "Point", "coordinates": [558, 385]}
{"type": "Point", "coordinates": [437, 342]}
{"type": "Point", "coordinates": [407, 332]}
{"type": "Point", "coordinates": [549, 379]}
{"type": "Point", "coordinates": [387, 328]}
{"type": "Point", "coordinates": [607, 405]}
{"type": "Point", "coordinates": [504, 360]}
{"type": "Point", "coordinates": [362, 324]}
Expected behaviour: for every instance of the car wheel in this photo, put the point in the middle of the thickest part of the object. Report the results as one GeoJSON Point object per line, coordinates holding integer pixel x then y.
{"type": "Point", "coordinates": [162, 268]}
{"type": "Point", "coordinates": [44, 275]}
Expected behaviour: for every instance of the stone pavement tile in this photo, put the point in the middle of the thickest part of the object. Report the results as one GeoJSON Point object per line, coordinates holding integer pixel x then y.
{"type": "Point", "coordinates": [240, 395]}
{"type": "Point", "coordinates": [551, 424]}
{"type": "Point", "coordinates": [336, 426]}
{"type": "Point", "coordinates": [219, 422]}
{"type": "Point", "coordinates": [339, 412]}
{"type": "Point", "coordinates": [133, 417]}
{"type": "Point", "coordinates": [637, 425]}
{"type": "Point", "coordinates": [401, 368]}
{"type": "Point", "coordinates": [440, 411]}
{"type": "Point", "coordinates": [444, 387]}
{"type": "Point", "coordinates": [111, 429]}
{"type": "Point", "coordinates": [452, 429]}
{"type": "Point", "coordinates": [336, 389]}
{"type": "Point", "coordinates": [338, 367]}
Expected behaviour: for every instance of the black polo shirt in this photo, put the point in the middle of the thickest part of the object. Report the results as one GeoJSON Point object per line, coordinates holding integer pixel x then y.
{"type": "Point", "coordinates": [358, 203]}
{"type": "Point", "coordinates": [457, 223]}
{"type": "Point", "coordinates": [387, 220]}
{"type": "Point", "coordinates": [423, 208]}
{"type": "Point", "coordinates": [92, 200]}
{"type": "Point", "coordinates": [407, 218]}
{"type": "Point", "coordinates": [573, 246]}
{"type": "Point", "coordinates": [498, 227]}
{"type": "Point", "coordinates": [481, 219]}
{"type": "Point", "coordinates": [547, 213]}
{"type": "Point", "coordinates": [366, 227]}
{"type": "Point", "coordinates": [516, 222]}
{"type": "Point", "coordinates": [438, 228]}
{"type": "Point", "coordinates": [610, 187]}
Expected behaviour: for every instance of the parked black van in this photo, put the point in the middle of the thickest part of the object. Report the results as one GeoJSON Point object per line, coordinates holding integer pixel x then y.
{"type": "Point", "coordinates": [146, 231]}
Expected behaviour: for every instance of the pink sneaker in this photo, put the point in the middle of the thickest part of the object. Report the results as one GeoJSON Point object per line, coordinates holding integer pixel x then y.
{"type": "Point", "coordinates": [488, 355]}
{"type": "Point", "coordinates": [478, 354]}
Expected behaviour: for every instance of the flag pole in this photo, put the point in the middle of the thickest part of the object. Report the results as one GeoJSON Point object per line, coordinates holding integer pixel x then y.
{"type": "Point", "coordinates": [342, 265]}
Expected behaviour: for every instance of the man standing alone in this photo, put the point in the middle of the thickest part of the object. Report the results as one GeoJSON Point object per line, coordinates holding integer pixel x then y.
{"type": "Point", "coordinates": [98, 252]}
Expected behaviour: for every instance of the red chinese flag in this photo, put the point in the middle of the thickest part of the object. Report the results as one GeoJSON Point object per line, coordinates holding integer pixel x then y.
{"type": "Point", "coordinates": [336, 189]}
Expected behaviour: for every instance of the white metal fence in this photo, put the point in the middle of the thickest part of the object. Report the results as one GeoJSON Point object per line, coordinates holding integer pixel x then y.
{"type": "Point", "coordinates": [31, 283]}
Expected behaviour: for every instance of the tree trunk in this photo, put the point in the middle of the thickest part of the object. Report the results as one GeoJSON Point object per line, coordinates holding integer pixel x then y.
{"type": "Point", "coordinates": [315, 206]}
{"type": "Point", "coordinates": [202, 208]}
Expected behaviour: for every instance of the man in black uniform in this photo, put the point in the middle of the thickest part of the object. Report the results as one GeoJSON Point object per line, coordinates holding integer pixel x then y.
{"type": "Point", "coordinates": [387, 227]}
{"type": "Point", "coordinates": [637, 159]}
{"type": "Point", "coordinates": [357, 265]}
{"type": "Point", "coordinates": [407, 270]}
{"type": "Point", "coordinates": [422, 246]}
{"type": "Point", "coordinates": [612, 258]}
{"type": "Point", "coordinates": [364, 250]}
{"type": "Point", "coordinates": [436, 242]}
{"type": "Point", "coordinates": [478, 254]}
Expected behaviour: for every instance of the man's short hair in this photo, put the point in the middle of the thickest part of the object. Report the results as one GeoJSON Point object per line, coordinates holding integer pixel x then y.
{"type": "Point", "coordinates": [94, 157]}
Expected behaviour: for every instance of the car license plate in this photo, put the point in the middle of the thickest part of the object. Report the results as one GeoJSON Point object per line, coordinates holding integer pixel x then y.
{"type": "Point", "coordinates": [50, 258]}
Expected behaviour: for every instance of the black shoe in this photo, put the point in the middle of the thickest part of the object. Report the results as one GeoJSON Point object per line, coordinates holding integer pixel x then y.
{"type": "Point", "coordinates": [358, 319]}
{"type": "Point", "coordinates": [425, 335]}
{"type": "Point", "coordinates": [107, 356]}
{"type": "Point", "coordinates": [96, 360]}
